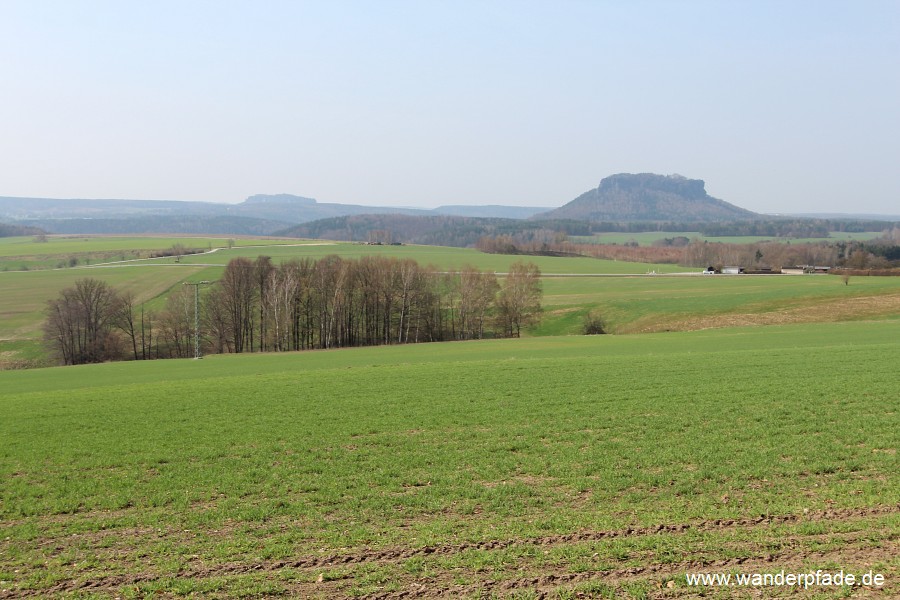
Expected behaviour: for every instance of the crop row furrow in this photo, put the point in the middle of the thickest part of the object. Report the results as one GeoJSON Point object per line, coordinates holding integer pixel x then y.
{"type": "Point", "coordinates": [394, 555]}
{"type": "Point", "coordinates": [546, 585]}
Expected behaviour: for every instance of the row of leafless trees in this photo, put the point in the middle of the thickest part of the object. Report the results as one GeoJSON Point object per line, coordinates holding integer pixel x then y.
{"type": "Point", "coordinates": [300, 304]}
{"type": "Point", "coordinates": [335, 302]}
{"type": "Point", "coordinates": [762, 254]}
{"type": "Point", "coordinates": [699, 253]}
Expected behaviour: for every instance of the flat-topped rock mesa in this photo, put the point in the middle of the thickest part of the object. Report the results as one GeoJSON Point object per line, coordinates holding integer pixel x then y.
{"type": "Point", "coordinates": [649, 197]}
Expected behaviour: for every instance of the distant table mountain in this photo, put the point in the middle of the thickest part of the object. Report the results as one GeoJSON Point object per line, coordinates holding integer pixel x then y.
{"type": "Point", "coordinates": [649, 197]}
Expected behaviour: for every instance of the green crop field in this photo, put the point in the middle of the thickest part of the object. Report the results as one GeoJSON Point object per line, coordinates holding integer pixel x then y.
{"type": "Point", "coordinates": [645, 304]}
{"type": "Point", "coordinates": [646, 238]}
{"type": "Point", "coordinates": [440, 257]}
{"type": "Point", "coordinates": [25, 293]}
{"type": "Point", "coordinates": [72, 244]}
{"type": "Point", "coordinates": [601, 466]}
{"type": "Point", "coordinates": [20, 254]}
{"type": "Point", "coordinates": [627, 304]}
{"type": "Point", "coordinates": [54, 251]}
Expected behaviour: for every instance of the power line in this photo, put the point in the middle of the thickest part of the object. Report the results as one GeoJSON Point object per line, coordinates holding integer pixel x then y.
{"type": "Point", "coordinates": [196, 285]}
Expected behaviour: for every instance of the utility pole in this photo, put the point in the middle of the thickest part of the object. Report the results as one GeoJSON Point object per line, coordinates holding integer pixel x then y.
{"type": "Point", "coordinates": [196, 285]}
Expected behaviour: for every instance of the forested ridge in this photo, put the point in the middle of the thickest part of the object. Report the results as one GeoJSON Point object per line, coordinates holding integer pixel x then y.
{"type": "Point", "coordinates": [436, 230]}
{"type": "Point", "coordinates": [7, 230]}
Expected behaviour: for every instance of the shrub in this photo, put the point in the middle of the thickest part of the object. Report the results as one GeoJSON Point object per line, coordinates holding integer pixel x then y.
{"type": "Point", "coordinates": [593, 324]}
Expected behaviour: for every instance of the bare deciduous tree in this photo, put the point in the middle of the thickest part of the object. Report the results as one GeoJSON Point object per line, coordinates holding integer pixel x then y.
{"type": "Point", "coordinates": [124, 319]}
{"type": "Point", "coordinates": [519, 303]}
{"type": "Point", "coordinates": [80, 322]}
{"type": "Point", "coordinates": [477, 292]}
{"type": "Point", "coordinates": [239, 295]}
{"type": "Point", "coordinates": [263, 270]}
{"type": "Point", "coordinates": [177, 324]}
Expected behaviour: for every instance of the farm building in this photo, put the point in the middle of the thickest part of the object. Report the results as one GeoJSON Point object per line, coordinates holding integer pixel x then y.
{"type": "Point", "coordinates": [763, 271]}
{"type": "Point", "coordinates": [802, 269]}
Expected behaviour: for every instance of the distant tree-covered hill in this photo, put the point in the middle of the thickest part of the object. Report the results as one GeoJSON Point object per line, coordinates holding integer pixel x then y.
{"type": "Point", "coordinates": [648, 197]}
{"type": "Point", "coordinates": [19, 209]}
{"type": "Point", "coordinates": [181, 224]}
{"type": "Point", "coordinates": [17, 230]}
{"type": "Point", "coordinates": [439, 230]}
{"type": "Point", "coordinates": [297, 209]}
{"type": "Point", "coordinates": [283, 209]}
{"type": "Point", "coordinates": [624, 202]}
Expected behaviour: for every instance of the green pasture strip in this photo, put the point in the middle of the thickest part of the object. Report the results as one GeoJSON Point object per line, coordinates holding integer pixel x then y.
{"type": "Point", "coordinates": [191, 274]}
{"type": "Point", "coordinates": [28, 264]}
{"type": "Point", "coordinates": [634, 303]}
{"type": "Point", "coordinates": [646, 238]}
{"type": "Point", "coordinates": [25, 254]}
{"type": "Point", "coordinates": [790, 338]}
{"type": "Point", "coordinates": [25, 294]}
{"type": "Point", "coordinates": [440, 257]}
{"type": "Point", "coordinates": [64, 245]}
{"type": "Point", "coordinates": [136, 467]}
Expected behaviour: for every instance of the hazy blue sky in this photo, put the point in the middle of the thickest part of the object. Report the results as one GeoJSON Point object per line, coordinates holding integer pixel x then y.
{"type": "Point", "coordinates": [779, 106]}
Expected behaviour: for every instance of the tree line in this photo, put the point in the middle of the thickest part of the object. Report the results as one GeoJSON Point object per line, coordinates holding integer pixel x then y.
{"type": "Point", "coordinates": [7, 230]}
{"type": "Point", "coordinates": [879, 253]}
{"type": "Point", "coordinates": [260, 306]}
{"type": "Point", "coordinates": [434, 230]}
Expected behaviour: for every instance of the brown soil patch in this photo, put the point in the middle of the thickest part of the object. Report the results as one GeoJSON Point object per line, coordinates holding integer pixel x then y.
{"type": "Point", "coordinates": [843, 309]}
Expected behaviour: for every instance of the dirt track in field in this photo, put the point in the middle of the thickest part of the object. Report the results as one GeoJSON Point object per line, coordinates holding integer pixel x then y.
{"type": "Point", "coordinates": [540, 580]}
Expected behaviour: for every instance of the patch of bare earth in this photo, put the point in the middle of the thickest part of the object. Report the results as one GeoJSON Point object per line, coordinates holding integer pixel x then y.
{"type": "Point", "coordinates": [852, 548]}
{"type": "Point", "coordinates": [844, 309]}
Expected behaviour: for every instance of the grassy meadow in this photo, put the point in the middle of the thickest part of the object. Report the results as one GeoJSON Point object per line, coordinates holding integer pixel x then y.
{"type": "Point", "coordinates": [440, 257]}
{"type": "Point", "coordinates": [599, 465]}
{"type": "Point", "coordinates": [26, 292]}
{"type": "Point", "coordinates": [23, 253]}
{"type": "Point", "coordinates": [556, 465]}
{"type": "Point", "coordinates": [58, 251]}
{"type": "Point", "coordinates": [627, 304]}
{"type": "Point", "coordinates": [648, 304]}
